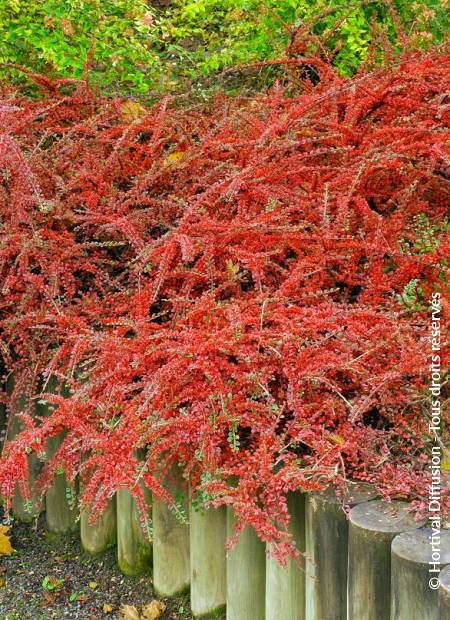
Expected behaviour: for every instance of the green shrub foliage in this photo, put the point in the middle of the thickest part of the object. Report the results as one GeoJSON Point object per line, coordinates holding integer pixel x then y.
{"type": "Point", "coordinates": [166, 46]}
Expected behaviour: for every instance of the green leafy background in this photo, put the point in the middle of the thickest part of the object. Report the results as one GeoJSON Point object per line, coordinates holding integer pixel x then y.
{"type": "Point", "coordinates": [152, 48]}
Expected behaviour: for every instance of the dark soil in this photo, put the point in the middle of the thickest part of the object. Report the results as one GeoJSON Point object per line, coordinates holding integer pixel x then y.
{"type": "Point", "coordinates": [83, 584]}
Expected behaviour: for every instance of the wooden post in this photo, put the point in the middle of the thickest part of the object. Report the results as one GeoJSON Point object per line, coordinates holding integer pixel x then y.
{"type": "Point", "coordinates": [171, 569]}
{"type": "Point", "coordinates": [97, 538]}
{"type": "Point", "coordinates": [208, 561]}
{"type": "Point", "coordinates": [285, 586]}
{"type": "Point", "coordinates": [61, 509]}
{"type": "Point", "coordinates": [444, 594]}
{"type": "Point", "coordinates": [373, 526]}
{"type": "Point", "coordinates": [3, 418]}
{"type": "Point", "coordinates": [134, 547]}
{"type": "Point", "coordinates": [246, 575]}
{"type": "Point", "coordinates": [23, 510]}
{"type": "Point", "coordinates": [326, 550]}
{"type": "Point", "coordinates": [2, 425]}
{"type": "Point", "coordinates": [411, 555]}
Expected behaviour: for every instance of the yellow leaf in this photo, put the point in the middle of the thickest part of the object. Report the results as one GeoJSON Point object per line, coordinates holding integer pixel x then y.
{"type": "Point", "coordinates": [172, 158]}
{"type": "Point", "coordinates": [445, 462]}
{"type": "Point", "coordinates": [132, 111]}
{"type": "Point", "coordinates": [107, 608]}
{"type": "Point", "coordinates": [153, 610]}
{"type": "Point", "coordinates": [400, 496]}
{"type": "Point", "coordinates": [5, 543]}
{"type": "Point", "coordinates": [129, 612]}
{"type": "Point", "coordinates": [305, 132]}
{"type": "Point", "coordinates": [337, 439]}
{"type": "Point", "coordinates": [231, 268]}
{"type": "Point", "coordinates": [93, 585]}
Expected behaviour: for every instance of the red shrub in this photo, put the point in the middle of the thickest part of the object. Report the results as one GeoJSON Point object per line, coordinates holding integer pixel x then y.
{"type": "Point", "coordinates": [242, 288]}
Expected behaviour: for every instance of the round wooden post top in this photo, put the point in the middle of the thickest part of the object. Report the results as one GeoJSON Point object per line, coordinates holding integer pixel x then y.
{"type": "Point", "coordinates": [352, 493]}
{"type": "Point", "coordinates": [382, 516]}
{"type": "Point", "coordinates": [416, 546]}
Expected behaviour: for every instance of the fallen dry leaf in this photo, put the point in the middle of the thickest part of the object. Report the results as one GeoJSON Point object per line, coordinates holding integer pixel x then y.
{"type": "Point", "coordinates": [153, 610]}
{"type": "Point", "coordinates": [172, 159]}
{"type": "Point", "coordinates": [5, 543]}
{"type": "Point", "coordinates": [132, 111]}
{"type": "Point", "coordinates": [129, 612]}
{"type": "Point", "coordinates": [82, 598]}
{"type": "Point", "coordinates": [338, 439]}
{"type": "Point", "coordinates": [48, 598]}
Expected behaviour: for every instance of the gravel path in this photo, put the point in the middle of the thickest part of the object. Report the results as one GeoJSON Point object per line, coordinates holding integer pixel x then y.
{"type": "Point", "coordinates": [51, 577]}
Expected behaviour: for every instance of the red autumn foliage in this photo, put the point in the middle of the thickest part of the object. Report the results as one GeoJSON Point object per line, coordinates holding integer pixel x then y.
{"type": "Point", "coordinates": [241, 288]}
